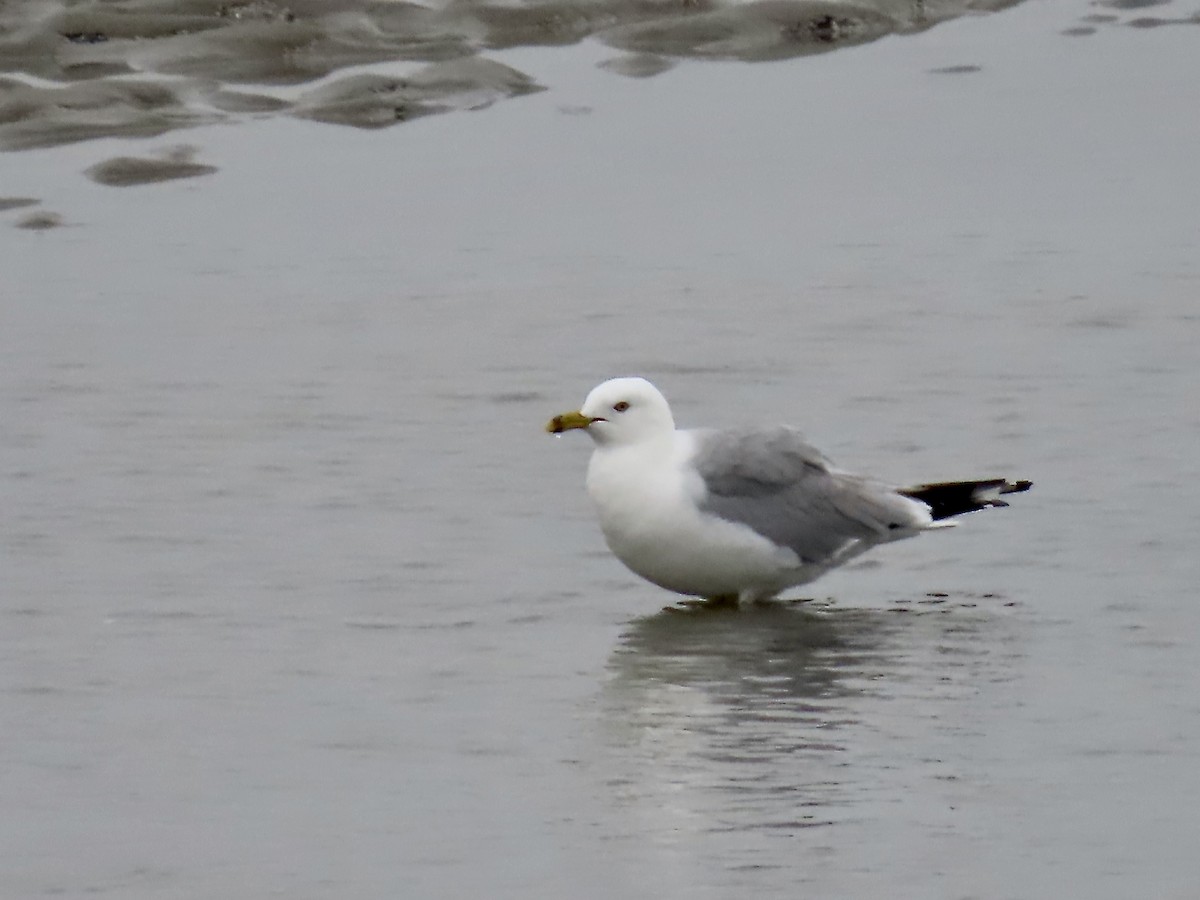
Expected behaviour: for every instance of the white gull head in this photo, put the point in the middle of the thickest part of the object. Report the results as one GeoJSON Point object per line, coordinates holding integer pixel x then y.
{"type": "Point", "coordinates": [620, 412]}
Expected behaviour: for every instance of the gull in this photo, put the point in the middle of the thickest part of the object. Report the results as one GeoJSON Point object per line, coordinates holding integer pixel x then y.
{"type": "Point", "coordinates": [740, 515]}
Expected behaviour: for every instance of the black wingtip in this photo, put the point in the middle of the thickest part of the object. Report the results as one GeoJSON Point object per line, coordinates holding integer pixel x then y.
{"type": "Point", "coordinates": [953, 498]}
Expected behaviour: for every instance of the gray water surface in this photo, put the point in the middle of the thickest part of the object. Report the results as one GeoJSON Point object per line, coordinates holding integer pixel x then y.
{"type": "Point", "coordinates": [298, 599]}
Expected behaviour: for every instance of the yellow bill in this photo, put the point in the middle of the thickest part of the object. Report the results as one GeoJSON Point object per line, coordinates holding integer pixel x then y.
{"type": "Point", "coordinates": [567, 421]}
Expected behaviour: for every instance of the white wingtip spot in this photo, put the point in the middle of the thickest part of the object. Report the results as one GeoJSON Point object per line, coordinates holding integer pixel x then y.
{"type": "Point", "coordinates": [986, 494]}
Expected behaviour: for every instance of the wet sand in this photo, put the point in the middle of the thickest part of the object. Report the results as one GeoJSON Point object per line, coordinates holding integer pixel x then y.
{"type": "Point", "coordinates": [299, 599]}
{"type": "Point", "coordinates": [144, 67]}
{"type": "Point", "coordinates": [124, 171]}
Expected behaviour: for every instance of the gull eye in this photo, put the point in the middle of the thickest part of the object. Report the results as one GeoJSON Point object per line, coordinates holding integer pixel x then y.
{"type": "Point", "coordinates": [620, 407]}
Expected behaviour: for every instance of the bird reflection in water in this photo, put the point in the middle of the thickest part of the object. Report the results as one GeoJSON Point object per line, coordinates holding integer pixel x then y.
{"type": "Point", "coordinates": [774, 716]}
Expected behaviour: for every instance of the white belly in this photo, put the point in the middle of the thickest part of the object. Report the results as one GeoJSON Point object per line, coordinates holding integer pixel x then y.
{"type": "Point", "coordinates": [651, 523]}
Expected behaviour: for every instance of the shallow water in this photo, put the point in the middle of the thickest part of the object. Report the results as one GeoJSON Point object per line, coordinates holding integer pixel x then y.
{"type": "Point", "coordinates": [299, 599]}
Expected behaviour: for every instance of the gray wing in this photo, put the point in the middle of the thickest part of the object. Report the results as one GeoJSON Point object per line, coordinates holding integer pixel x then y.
{"type": "Point", "coordinates": [783, 488]}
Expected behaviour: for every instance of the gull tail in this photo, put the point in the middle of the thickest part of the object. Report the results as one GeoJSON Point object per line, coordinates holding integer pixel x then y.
{"type": "Point", "coordinates": [952, 498]}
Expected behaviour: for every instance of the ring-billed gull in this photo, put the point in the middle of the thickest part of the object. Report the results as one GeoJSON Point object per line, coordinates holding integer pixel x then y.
{"type": "Point", "coordinates": [741, 513]}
